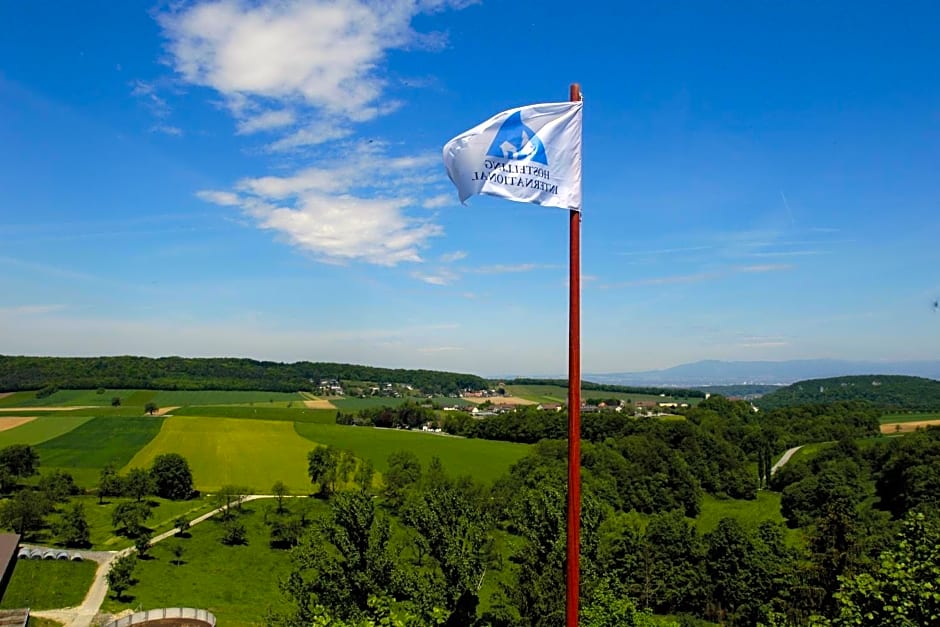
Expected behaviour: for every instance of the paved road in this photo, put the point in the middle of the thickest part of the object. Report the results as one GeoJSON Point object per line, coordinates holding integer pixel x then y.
{"type": "Point", "coordinates": [783, 460]}
{"type": "Point", "coordinates": [84, 614]}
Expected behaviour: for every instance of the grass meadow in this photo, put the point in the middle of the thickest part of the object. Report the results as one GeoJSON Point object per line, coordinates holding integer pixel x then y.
{"type": "Point", "coordinates": [909, 417]}
{"type": "Point", "coordinates": [237, 583]}
{"type": "Point", "coordinates": [223, 451]}
{"type": "Point", "coordinates": [484, 460]}
{"type": "Point", "coordinates": [166, 398]}
{"type": "Point", "coordinates": [355, 404]}
{"type": "Point", "coordinates": [48, 584]}
{"type": "Point", "coordinates": [46, 427]}
{"type": "Point", "coordinates": [262, 412]}
{"type": "Point", "coordinates": [92, 445]}
{"type": "Point", "coordinates": [749, 513]}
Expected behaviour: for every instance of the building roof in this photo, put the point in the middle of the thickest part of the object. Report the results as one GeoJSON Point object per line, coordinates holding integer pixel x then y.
{"type": "Point", "coordinates": [14, 618]}
{"type": "Point", "coordinates": [9, 544]}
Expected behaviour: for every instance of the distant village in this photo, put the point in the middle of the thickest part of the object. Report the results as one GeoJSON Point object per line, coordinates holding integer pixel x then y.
{"type": "Point", "coordinates": [489, 402]}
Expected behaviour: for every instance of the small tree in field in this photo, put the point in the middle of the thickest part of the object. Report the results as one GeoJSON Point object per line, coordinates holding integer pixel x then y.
{"type": "Point", "coordinates": [177, 551]}
{"type": "Point", "coordinates": [116, 401]}
{"type": "Point", "coordinates": [151, 408]}
{"type": "Point", "coordinates": [142, 544]}
{"type": "Point", "coordinates": [279, 490]}
{"type": "Point", "coordinates": [121, 575]}
{"type": "Point", "coordinates": [182, 525]}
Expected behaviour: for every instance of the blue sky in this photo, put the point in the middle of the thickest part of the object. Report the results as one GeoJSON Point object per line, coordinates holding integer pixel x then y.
{"type": "Point", "coordinates": [263, 179]}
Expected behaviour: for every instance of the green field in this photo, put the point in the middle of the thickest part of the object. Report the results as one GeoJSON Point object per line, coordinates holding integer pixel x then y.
{"type": "Point", "coordinates": [96, 443]}
{"type": "Point", "coordinates": [163, 398]}
{"type": "Point", "coordinates": [223, 451]}
{"type": "Point", "coordinates": [909, 417]}
{"type": "Point", "coordinates": [484, 460]}
{"type": "Point", "coordinates": [162, 514]}
{"type": "Point", "coordinates": [355, 404]}
{"type": "Point", "coordinates": [749, 513]}
{"type": "Point", "coordinates": [167, 398]}
{"type": "Point", "coordinates": [41, 429]}
{"type": "Point", "coordinates": [236, 583]}
{"type": "Point", "coordinates": [71, 397]}
{"type": "Point", "coordinates": [262, 412]}
{"type": "Point", "coordinates": [48, 584]}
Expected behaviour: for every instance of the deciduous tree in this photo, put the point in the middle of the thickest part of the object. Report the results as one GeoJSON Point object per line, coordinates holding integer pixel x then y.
{"type": "Point", "coordinates": [171, 476]}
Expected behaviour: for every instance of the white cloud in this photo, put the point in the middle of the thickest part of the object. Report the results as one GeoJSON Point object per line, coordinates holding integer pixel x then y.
{"type": "Point", "coordinates": [312, 135]}
{"type": "Point", "coordinates": [310, 71]}
{"type": "Point", "coordinates": [457, 255]}
{"type": "Point", "coordinates": [338, 214]}
{"type": "Point", "coordinates": [167, 129]}
{"type": "Point", "coordinates": [436, 202]}
{"type": "Point", "coordinates": [441, 277]}
{"type": "Point", "coordinates": [320, 54]}
{"type": "Point", "coordinates": [226, 199]}
{"type": "Point", "coordinates": [266, 121]}
{"type": "Point", "coordinates": [511, 268]}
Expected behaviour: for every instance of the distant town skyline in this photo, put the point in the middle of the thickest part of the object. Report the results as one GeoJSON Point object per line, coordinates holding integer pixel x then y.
{"type": "Point", "coordinates": [264, 179]}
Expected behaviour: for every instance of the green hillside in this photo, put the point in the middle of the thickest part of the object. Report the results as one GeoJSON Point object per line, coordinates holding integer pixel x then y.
{"type": "Point", "coordinates": [891, 391]}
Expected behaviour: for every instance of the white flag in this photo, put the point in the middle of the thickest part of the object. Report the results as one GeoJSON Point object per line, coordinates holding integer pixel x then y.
{"type": "Point", "coordinates": [529, 154]}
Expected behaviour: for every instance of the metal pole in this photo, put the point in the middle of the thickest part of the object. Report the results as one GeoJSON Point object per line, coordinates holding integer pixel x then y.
{"type": "Point", "coordinates": [574, 407]}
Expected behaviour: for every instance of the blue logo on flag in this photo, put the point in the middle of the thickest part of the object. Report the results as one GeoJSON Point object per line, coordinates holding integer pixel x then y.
{"type": "Point", "coordinates": [515, 140]}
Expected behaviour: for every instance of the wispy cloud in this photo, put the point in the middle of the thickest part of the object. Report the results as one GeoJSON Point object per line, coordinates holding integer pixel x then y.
{"type": "Point", "coordinates": [664, 251]}
{"type": "Point", "coordinates": [436, 202]}
{"type": "Point", "coordinates": [770, 267]}
{"type": "Point", "coordinates": [763, 341]}
{"type": "Point", "coordinates": [441, 277]}
{"type": "Point", "coordinates": [167, 129]}
{"type": "Point", "coordinates": [439, 349]}
{"type": "Point", "coordinates": [30, 310]}
{"type": "Point", "coordinates": [340, 216]}
{"type": "Point", "coordinates": [512, 268]}
{"type": "Point", "coordinates": [309, 66]}
{"type": "Point", "coordinates": [306, 73]}
{"type": "Point", "coordinates": [148, 94]}
{"type": "Point", "coordinates": [698, 277]}
{"type": "Point", "coordinates": [457, 255]}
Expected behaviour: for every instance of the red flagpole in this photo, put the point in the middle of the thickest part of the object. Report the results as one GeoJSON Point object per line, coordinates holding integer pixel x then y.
{"type": "Point", "coordinates": [574, 407]}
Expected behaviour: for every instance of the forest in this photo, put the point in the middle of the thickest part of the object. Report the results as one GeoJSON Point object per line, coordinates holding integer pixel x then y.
{"type": "Point", "coordinates": [181, 373]}
{"type": "Point", "coordinates": [889, 391]}
{"type": "Point", "coordinates": [865, 549]}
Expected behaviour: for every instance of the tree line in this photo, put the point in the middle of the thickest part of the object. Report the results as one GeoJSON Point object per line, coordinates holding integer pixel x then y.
{"type": "Point", "coordinates": [182, 373]}
{"type": "Point", "coordinates": [609, 387]}
{"type": "Point", "coordinates": [896, 392]}
{"type": "Point", "coordinates": [421, 551]}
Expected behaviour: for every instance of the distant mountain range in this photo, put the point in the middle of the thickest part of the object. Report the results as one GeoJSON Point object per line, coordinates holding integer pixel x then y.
{"type": "Point", "coordinates": [715, 372]}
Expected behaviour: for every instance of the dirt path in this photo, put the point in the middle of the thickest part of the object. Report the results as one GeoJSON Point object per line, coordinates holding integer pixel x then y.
{"type": "Point", "coordinates": [3, 395]}
{"type": "Point", "coordinates": [783, 460]}
{"type": "Point", "coordinates": [165, 410]}
{"type": "Point", "coordinates": [8, 422]}
{"type": "Point", "coordinates": [319, 404]}
{"type": "Point", "coordinates": [906, 427]}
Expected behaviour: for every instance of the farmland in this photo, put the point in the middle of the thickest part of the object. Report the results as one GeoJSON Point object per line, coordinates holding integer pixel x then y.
{"type": "Point", "coordinates": [222, 451]}
{"type": "Point", "coordinates": [43, 428]}
{"type": "Point", "coordinates": [484, 460]}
